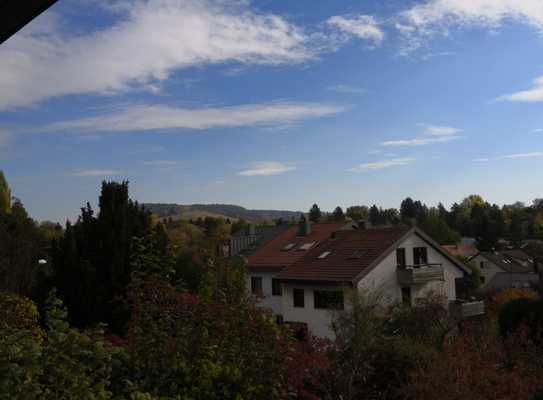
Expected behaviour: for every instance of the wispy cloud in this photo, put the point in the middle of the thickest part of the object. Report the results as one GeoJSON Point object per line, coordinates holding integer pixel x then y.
{"type": "Point", "coordinates": [151, 117]}
{"type": "Point", "coordinates": [420, 22]}
{"type": "Point", "coordinates": [267, 168]}
{"type": "Point", "coordinates": [538, 130]}
{"type": "Point", "coordinates": [161, 163]}
{"type": "Point", "coordinates": [361, 26]}
{"type": "Point", "coordinates": [435, 130]}
{"type": "Point", "coordinates": [96, 172]}
{"type": "Point", "coordinates": [393, 162]}
{"type": "Point", "coordinates": [431, 134]}
{"type": "Point", "coordinates": [348, 89]}
{"type": "Point", "coordinates": [533, 154]}
{"type": "Point", "coordinates": [149, 40]}
{"type": "Point", "coordinates": [533, 95]}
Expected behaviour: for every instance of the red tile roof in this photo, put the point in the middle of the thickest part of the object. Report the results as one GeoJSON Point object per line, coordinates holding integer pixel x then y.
{"type": "Point", "coordinates": [351, 253]}
{"type": "Point", "coordinates": [464, 250]}
{"type": "Point", "coordinates": [272, 255]}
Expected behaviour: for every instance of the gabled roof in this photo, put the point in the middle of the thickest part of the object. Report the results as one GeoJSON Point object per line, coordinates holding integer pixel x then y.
{"type": "Point", "coordinates": [503, 280]}
{"type": "Point", "coordinates": [506, 262]}
{"type": "Point", "coordinates": [272, 254]}
{"type": "Point", "coordinates": [353, 254]}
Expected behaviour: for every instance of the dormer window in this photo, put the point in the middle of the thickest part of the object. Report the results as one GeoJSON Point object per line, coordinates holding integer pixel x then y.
{"type": "Point", "coordinates": [288, 247]}
{"type": "Point", "coordinates": [325, 254]}
{"type": "Point", "coordinates": [306, 246]}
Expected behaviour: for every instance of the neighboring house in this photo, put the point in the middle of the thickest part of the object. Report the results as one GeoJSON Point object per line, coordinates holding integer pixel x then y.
{"type": "Point", "coordinates": [246, 241]}
{"type": "Point", "coordinates": [402, 264]}
{"type": "Point", "coordinates": [507, 262]}
{"type": "Point", "coordinates": [502, 280]}
{"type": "Point", "coordinates": [269, 260]}
{"type": "Point", "coordinates": [461, 250]}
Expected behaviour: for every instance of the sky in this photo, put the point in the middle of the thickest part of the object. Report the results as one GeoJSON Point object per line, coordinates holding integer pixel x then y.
{"type": "Point", "coordinates": [274, 104]}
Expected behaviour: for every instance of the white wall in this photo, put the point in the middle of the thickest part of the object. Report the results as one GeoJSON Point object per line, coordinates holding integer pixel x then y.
{"type": "Point", "coordinates": [317, 320]}
{"type": "Point", "coordinates": [383, 278]}
{"type": "Point", "coordinates": [267, 301]}
{"type": "Point", "coordinates": [489, 268]}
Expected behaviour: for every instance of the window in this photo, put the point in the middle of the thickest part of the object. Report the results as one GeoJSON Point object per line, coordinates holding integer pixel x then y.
{"type": "Point", "coordinates": [325, 254]}
{"type": "Point", "coordinates": [298, 295]}
{"type": "Point", "coordinates": [406, 296]}
{"type": "Point", "coordinates": [482, 279]}
{"type": "Point", "coordinates": [288, 247]}
{"type": "Point", "coordinates": [256, 285]}
{"type": "Point", "coordinates": [276, 288]}
{"type": "Point", "coordinates": [328, 299]}
{"type": "Point", "coordinates": [482, 265]}
{"type": "Point", "coordinates": [420, 255]}
{"type": "Point", "coordinates": [400, 257]}
{"type": "Point", "coordinates": [279, 319]}
{"type": "Point", "coordinates": [306, 246]}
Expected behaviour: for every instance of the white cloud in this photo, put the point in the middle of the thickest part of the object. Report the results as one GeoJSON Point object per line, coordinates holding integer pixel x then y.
{"type": "Point", "coordinates": [533, 95]}
{"type": "Point", "coordinates": [534, 154]}
{"type": "Point", "coordinates": [435, 130]}
{"type": "Point", "coordinates": [96, 172]}
{"type": "Point", "coordinates": [348, 89]}
{"type": "Point", "coordinates": [431, 134]}
{"type": "Point", "coordinates": [525, 155]}
{"type": "Point", "coordinates": [420, 141]}
{"type": "Point", "coordinates": [150, 117]}
{"type": "Point", "coordinates": [149, 40]}
{"type": "Point", "coordinates": [362, 26]}
{"type": "Point", "coordinates": [393, 162]}
{"type": "Point", "coordinates": [538, 130]}
{"type": "Point", "coordinates": [267, 168]}
{"type": "Point", "coordinates": [421, 21]}
{"type": "Point", "coordinates": [160, 163]}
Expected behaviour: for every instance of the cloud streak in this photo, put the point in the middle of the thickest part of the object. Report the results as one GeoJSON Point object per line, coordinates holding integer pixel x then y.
{"type": "Point", "coordinates": [267, 168]}
{"type": "Point", "coordinates": [516, 156]}
{"type": "Point", "coordinates": [149, 40]}
{"type": "Point", "coordinates": [422, 21]}
{"type": "Point", "coordinates": [533, 95]}
{"type": "Point", "coordinates": [389, 163]}
{"type": "Point", "coordinates": [153, 117]}
{"type": "Point", "coordinates": [431, 134]}
{"type": "Point", "coordinates": [360, 26]}
{"type": "Point", "coordinates": [348, 89]}
{"type": "Point", "coordinates": [96, 173]}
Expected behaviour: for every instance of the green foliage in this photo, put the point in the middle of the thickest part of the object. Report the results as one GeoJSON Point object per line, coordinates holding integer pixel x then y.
{"type": "Point", "coordinates": [438, 229]}
{"type": "Point", "coordinates": [5, 195]}
{"type": "Point", "coordinates": [21, 245]}
{"type": "Point", "coordinates": [358, 213]}
{"type": "Point", "coordinates": [315, 213]}
{"type": "Point", "coordinates": [338, 214]}
{"type": "Point", "coordinates": [92, 263]}
{"type": "Point", "coordinates": [520, 313]}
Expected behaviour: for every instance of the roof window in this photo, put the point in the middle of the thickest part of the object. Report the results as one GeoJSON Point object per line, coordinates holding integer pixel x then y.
{"type": "Point", "coordinates": [288, 247]}
{"type": "Point", "coordinates": [306, 246]}
{"type": "Point", "coordinates": [325, 254]}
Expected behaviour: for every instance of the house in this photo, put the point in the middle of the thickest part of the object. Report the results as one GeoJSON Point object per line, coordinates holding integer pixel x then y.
{"type": "Point", "coordinates": [401, 263]}
{"type": "Point", "coordinates": [286, 248]}
{"type": "Point", "coordinates": [248, 240]}
{"type": "Point", "coordinates": [507, 268]}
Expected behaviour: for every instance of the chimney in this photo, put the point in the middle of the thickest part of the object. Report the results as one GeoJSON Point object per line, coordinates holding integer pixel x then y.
{"type": "Point", "coordinates": [304, 227]}
{"type": "Point", "coordinates": [361, 225]}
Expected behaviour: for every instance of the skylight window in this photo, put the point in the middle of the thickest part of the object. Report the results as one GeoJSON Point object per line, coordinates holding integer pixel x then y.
{"type": "Point", "coordinates": [306, 246]}
{"type": "Point", "coordinates": [325, 254]}
{"type": "Point", "coordinates": [358, 254]}
{"type": "Point", "coordinates": [288, 247]}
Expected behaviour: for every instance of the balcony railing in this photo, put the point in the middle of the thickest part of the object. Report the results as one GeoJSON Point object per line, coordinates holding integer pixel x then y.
{"type": "Point", "coordinates": [417, 274]}
{"type": "Point", "coordinates": [467, 309]}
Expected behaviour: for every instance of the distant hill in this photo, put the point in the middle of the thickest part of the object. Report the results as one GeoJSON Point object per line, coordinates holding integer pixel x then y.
{"type": "Point", "coordinates": [194, 211]}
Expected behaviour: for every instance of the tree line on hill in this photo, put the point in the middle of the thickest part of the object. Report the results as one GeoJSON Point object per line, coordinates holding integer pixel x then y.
{"type": "Point", "coordinates": [472, 217]}
{"type": "Point", "coordinates": [126, 307]}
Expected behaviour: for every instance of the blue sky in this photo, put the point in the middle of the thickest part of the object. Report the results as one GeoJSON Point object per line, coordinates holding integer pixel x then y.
{"type": "Point", "coordinates": [274, 104]}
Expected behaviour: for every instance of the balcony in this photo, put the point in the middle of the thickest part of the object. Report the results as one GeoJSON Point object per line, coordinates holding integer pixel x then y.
{"type": "Point", "coordinates": [467, 309]}
{"type": "Point", "coordinates": [418, 274]}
